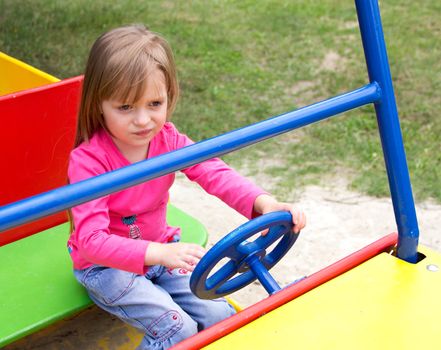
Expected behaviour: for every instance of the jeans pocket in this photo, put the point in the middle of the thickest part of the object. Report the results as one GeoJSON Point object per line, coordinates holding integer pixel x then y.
{"type": "Point", "coordinates": [165, 326]}
{"type": "Point", "coordinates": [108, 285]}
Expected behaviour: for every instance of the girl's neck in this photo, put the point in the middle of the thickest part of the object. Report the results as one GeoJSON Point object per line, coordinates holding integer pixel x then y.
{"type": "Point", "coordinates": [137, 156]}
{"type": "Point", "coordinates": [133, 154]}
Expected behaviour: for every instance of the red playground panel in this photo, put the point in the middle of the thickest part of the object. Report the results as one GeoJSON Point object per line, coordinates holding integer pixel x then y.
{"type": "Point", "coordinates": [37, 162]}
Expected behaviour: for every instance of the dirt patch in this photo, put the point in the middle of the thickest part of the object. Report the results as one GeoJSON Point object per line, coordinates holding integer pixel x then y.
{"type": "Point", "coordinates": [303, 92]}
{"type": "Point", "coordinates": [332, 62]}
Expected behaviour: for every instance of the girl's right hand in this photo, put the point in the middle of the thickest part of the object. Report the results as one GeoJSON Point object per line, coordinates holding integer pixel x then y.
{"type": "Point", "coordinates": [174, 255]}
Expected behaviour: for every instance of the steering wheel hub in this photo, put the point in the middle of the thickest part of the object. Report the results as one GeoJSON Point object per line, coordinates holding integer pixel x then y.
{"type": "Point", "coordinates": [243, 266]}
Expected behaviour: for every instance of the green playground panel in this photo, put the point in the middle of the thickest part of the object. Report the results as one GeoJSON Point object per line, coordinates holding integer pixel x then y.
{"type": "Point", "coordinates": [37, 287]}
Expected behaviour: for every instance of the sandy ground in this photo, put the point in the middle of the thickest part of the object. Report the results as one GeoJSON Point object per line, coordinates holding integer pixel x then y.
{"type": "Point", "coordinates": [339, 223]}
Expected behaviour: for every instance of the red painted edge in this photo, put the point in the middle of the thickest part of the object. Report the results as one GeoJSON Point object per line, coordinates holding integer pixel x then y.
{"type": "Point", "coordinates": [287, 294]}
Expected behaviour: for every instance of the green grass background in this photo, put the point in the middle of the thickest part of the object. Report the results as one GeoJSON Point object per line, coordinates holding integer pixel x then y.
{"type": "Point", "coordinates": [243, 61]}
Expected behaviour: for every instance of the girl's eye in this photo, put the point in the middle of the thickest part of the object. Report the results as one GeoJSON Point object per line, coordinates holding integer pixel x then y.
{"type": "Point", "coordinates": [125, 108]}
{"type": "Point", "coordinates": [156, 104]}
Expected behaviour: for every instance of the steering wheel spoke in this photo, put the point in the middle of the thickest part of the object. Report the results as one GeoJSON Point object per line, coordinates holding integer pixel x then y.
{"type": "Point", "coordinates": [222, 275]}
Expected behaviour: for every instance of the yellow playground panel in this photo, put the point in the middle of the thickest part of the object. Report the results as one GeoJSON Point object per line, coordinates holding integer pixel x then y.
{"type": "Point", "coordinates": [17, 75]}
{"type": "Point", "coordinates": [384, 303]}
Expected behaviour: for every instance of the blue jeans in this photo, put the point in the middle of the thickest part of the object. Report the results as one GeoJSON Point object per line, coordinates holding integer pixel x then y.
{"type": "Point", "coordinates": [160, 303]}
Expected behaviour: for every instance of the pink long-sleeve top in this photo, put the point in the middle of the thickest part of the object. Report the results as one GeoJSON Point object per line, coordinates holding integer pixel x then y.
{"type": "Point", "coordinates": [115, 230]}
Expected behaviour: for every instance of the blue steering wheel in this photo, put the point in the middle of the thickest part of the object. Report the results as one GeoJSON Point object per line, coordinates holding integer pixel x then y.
{"type": "Point", "coordinates": [248, 259]}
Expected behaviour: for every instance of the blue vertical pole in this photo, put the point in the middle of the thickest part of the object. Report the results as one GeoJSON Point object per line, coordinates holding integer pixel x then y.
{"type": "Point", "coordinates": [389, 126]}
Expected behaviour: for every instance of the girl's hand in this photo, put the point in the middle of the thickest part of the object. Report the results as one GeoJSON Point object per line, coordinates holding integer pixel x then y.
{"type": "Point", "coordinates": [265, 204]}
{"type": "Point", "coordinates": [174, 255]}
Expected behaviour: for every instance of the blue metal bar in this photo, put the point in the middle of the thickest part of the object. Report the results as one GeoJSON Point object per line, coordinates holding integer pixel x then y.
{"type": "Point", "coordinates": [389, 126]}
{"type": "Point", "coordinates": [51, 202]}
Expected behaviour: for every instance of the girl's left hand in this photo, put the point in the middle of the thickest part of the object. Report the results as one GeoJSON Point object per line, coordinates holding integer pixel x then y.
{"type": "Point", "coordinates": [266, 204]}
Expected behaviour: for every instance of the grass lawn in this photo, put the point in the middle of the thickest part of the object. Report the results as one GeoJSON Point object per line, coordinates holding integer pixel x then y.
{"type": "Point", "coordinates": [243, 61]}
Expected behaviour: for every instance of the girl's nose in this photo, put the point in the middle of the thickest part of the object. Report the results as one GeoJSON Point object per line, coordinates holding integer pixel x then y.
{"type": "Point", "coordinates": [142, 117]}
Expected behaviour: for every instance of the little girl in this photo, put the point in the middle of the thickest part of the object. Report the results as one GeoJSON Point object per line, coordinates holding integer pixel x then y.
{"type": "Point", "coordinates": [124, 253]}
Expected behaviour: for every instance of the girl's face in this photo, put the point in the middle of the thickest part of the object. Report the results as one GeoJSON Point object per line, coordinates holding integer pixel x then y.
{"type": "Point", "coordinates": [133, 126]}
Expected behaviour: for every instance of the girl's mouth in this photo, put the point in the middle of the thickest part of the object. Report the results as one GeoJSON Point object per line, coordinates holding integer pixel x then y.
{"type": "Point", "coordinates": [144, 132]}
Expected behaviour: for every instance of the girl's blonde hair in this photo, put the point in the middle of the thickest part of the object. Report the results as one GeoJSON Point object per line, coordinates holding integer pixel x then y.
{"type": "Point", "coordinates": [118, 67]}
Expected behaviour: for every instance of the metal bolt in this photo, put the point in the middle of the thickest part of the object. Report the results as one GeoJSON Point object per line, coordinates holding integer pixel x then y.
{"type": "Point", "coordinates": [432, 268]}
